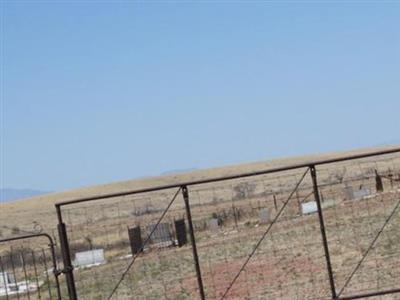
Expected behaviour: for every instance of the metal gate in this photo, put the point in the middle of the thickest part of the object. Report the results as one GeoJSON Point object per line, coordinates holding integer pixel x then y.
{"type": "Point", "coordinates": [325, 229]}
{"type": "Point", "coordinates": [29, 272]}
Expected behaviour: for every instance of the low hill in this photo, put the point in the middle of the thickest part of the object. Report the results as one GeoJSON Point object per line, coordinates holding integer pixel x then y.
{"type": "Point", "coordinates": [10, 194]}
{"type": "Point", "coordinates": [27, 212]}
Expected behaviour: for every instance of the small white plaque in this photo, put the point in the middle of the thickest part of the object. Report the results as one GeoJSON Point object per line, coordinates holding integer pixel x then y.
{"type": "Point", "coordinates": [309, 207]}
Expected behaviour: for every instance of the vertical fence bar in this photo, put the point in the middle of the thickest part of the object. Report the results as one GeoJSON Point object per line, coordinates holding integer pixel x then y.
{"type": "Point", "coordinates": [25, 274]}
{"type": "Point", "coordinates": [5, 280]}
{"type": "Point", "coordinates": [323, 232]}
{"type": "Point", "coordinates": [47, 274]}
{"type": "Point", "coordinates": [193, 240]}
{"type": "Point", "coordinates": [13, 270]}
{"type": "Point", "coordinates": [36, 274]}
{"type": "Point", "coordinates": [68, 268]}
{"type": "Point", "coordinates": [56, 272]}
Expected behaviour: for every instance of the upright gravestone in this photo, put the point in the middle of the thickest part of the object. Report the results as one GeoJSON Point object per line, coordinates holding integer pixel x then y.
{"type": "Point", "coordinates": [263, 216]}
{"type": "Point", "coordinates": [213, 225]}
{"type": "Point", "coordinates": [180, 230]}
{"type": "Point", "coordinates": [135, 239]}
{"type": "Point", "coordinates": [378, 182]}
{"type": "Point", "coordinates": [349, 192]}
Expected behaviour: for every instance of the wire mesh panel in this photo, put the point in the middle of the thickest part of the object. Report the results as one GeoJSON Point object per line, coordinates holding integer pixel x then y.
{"type": "Point", "coordinates": [325, 232]}
{"type": "Point", "coordinates": [265, 247]}
{"type": "Point", "coordinates": [143, 255]}
{"type": "Point", "coordinates": [363, 226]}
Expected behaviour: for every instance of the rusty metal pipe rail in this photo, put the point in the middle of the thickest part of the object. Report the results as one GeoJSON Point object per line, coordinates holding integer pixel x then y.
{"type": "Point", "coordinates": [28, 236]}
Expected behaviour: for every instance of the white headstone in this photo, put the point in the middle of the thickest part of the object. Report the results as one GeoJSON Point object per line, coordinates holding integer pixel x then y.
{"type": "Point", "coordinates": [4, 279]}
{"type": "Point", "coordinates": [213, 225]}
{"type": "Point", "coordinates": [309, 207]}
{"type": "Point", "coordinates": [8, 285]}
{"type": "Point", "coordinates": [89, 258]}
{"type": "Point", "coordinates": [264, 216]}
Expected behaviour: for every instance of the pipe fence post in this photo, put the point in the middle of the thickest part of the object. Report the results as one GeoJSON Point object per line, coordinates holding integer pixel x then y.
{"type": "Point", "coordinates": [193, 240]}
{"type": "Point", "coordinates": [323, 231]}
{"type": "Point", "coordinates": [66, 255]}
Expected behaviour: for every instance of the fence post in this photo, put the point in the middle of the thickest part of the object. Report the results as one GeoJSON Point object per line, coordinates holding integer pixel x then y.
{"type": "Point", "coordinates": [56, 272]}
{"type": "Point", "coordinates": [323, 232]}
{"type": "Point", "coordinates": [66, 255]}
{"type": "Point", "coordinates": [193, 240]}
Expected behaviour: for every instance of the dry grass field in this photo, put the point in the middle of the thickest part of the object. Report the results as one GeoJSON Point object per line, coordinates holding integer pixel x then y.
{"type": "Point", "coordinates": [26, 213]}
{"type": "Point", "coordinates": [288, 264]}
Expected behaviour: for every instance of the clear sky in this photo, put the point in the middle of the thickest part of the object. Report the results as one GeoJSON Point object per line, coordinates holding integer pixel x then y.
{"type": "Point", "coordinates": [97, 91]}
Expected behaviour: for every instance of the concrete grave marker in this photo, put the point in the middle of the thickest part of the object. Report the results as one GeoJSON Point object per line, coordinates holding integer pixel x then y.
{"type": "Point", "coordinates": [361, 193]}
{"type": "Point", "coordinates": [9, 286]}
{"type": "Point", "coordinates": [309, 207]}
{"type": "Point", "coordinates": [213, 225]}
{"type": "Point", "coordinates": [263, 216]}
{"type": "Point", "coordinates": [312, 207]}
{"type": "Point", "coordinates": [349, 192]}
{"type": "Point", "coordinates": [89, 258]}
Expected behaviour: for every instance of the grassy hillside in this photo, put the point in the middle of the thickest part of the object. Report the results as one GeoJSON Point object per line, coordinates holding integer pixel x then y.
{"type": "Point", "coordinates": [27, 213]}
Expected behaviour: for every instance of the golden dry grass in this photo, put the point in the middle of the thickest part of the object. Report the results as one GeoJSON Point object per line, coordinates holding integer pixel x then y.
{"type": "Point", "coordinates": [289, 265]}
{"type": "Point", "coordinates": [41, 209]}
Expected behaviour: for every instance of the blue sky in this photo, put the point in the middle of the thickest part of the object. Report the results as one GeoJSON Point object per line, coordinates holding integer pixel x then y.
{"type": "Point", "coordinates": [94, 92]}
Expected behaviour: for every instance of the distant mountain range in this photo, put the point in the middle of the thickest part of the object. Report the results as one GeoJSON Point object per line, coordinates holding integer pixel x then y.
{"type": "Point", "coordinates": [10, 194]}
